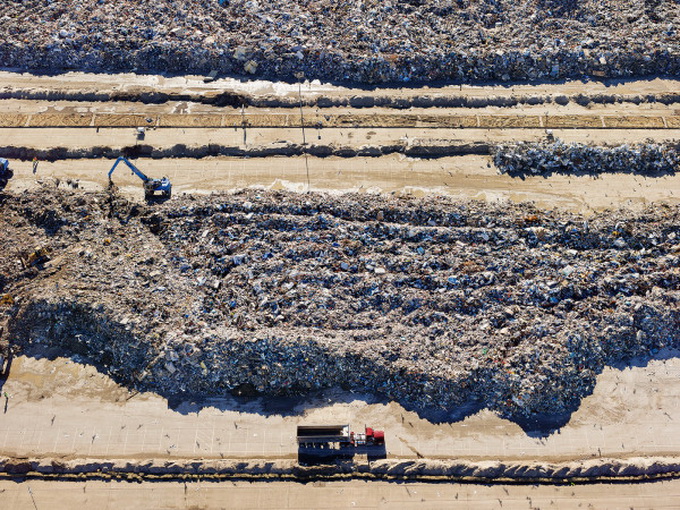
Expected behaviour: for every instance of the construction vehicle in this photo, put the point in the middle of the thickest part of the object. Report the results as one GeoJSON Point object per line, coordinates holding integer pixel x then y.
{"type": "Point", "coordinates": [36, 257]}
{"type": "Point", "coordinates": [5, 173]}
{"type": "Point", "coordinates": [323, 443]}
{"type": "Point", "coordinates": [151, 186]}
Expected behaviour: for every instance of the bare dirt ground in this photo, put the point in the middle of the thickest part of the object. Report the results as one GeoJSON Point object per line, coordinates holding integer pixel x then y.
{"type": "Point", "coordinates": [69, 410]}
{"type": "Point", "coordinates": [104, 84]}
{"type": "Point", "coordinates": [467, 177]}
{"type": "Point", "coordinates": [85, 116]}
{"type": "Point", "coordinates": [336, 495]}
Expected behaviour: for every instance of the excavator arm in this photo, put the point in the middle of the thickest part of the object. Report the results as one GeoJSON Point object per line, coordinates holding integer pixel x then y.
{"type": "Point", "coordinates": [151, 186]}
{"type": "Point", "coordinates": [134, 169]}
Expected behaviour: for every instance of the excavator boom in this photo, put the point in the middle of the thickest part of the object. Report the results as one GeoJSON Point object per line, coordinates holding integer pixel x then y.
{"type": "Point", "coordinates": [151, 186]}
{"type": "Point", "coordinates": [132, 167]}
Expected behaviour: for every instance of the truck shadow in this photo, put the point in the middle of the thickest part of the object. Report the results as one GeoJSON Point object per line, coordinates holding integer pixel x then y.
{"type": "Point", "coordinates": [330, 444]}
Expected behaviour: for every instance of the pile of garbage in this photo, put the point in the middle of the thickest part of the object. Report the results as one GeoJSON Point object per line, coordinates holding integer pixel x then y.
{"type": "Point", "coordinates": [369, 41]}
{"type": "Point", "coordinates": [430, 302]}
{"type": "Point", "coordinates": [548, 157]}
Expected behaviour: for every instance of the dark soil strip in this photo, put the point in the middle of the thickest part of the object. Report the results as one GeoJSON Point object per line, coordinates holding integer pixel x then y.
{"type": "Point", "coordinates": [182, 151]}
{"type": "Point", "coordinates": [237, 100]}
{"type": "Point", "coordinates": [608, 471]}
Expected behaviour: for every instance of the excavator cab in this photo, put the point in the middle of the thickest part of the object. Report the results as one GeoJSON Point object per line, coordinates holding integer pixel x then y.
{"type": "Point", "coordinates": [5, 173]}
{"type": "Point", "coordinates": [154, 186]}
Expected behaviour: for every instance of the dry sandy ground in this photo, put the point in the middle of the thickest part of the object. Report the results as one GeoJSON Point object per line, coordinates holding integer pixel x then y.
{"type": "Point", "coordinates": [76, 81]}
{"type": "Point", "coordinates": [461, 176]}
{"type": "Point", "coordinates": [336, 495]}
{"type": "Point", "coordinates": [67, 410]}
{"type": "Point", "coordinates": [464, 176]}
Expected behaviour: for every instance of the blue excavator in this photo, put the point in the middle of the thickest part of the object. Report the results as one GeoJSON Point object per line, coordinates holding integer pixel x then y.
{"type": "Point", "coordinates": [151, 186]}
{"type": "Point", "coordinates": [5, 173]}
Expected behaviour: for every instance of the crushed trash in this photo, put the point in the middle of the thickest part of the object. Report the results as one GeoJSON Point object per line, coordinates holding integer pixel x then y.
{"type": "Point", "coordinates": [431, 302]}
{"type": "Point", "coordinates": [371, 41]}
{"type": "Point", "coordinates": [545, 158]}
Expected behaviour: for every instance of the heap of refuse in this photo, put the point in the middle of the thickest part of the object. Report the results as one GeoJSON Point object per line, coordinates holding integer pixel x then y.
{"type": "Point", "coordinates": [430, 302]}
{"type": "Point", "coordinates": [548, 157]}
{"type": "Point", "coordinates": [368, 41]}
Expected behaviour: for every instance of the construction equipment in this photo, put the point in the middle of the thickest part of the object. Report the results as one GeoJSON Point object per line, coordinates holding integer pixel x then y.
{"type": "Point", "coordinates": [37, 257]}
{"type": "Point", "coordinates": [151, 186]}
{"type": "Point", "coordinates": [319, 443]}
{"type": "Point", "coordinates": [5, 173]}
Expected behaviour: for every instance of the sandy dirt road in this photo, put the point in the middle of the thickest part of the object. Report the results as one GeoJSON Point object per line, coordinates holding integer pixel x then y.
{"type": "Point", "coordinates": [247, 496]}
{"type": "Point", "coordinates": [465, 176]}
{"type": "Point", "coordinates": [106, 83]}
{"type": "Point", "coordinates": [81, 115]}
{"type": "Point", "coordinates": [65, 410]}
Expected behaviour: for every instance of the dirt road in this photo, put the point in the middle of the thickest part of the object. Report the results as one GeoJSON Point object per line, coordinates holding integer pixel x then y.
{"type": "Point", "coordinates": [230, 134]}
{"type": "Point", "coordinates": [69, 410]}
{"type": "Point", "coordinates": [247, 496]}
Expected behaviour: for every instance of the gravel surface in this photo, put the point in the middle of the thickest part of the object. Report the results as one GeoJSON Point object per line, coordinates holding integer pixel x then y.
{"type": "Point", "coordinates": [370, 41]}
{"type": "Point", "coordinates": [433, 302]}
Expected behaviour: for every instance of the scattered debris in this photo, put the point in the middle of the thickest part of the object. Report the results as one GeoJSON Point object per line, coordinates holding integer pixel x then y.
{"type": "Point", "coordinates": [372, 41]}
{"type": "Point", "coordinates": [545, 158]}
{"type": "Point", "coordinates": [437, 303]}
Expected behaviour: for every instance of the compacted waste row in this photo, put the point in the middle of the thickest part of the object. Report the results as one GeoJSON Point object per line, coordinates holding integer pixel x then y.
{"type": "Point", "coordinates": [433, 302]}
{"type": "Point", "coordinates": [366, 42]}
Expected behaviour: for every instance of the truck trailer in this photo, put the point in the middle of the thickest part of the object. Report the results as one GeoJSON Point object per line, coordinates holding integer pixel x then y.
{"type": "Point", "coordinates": [328, 443]}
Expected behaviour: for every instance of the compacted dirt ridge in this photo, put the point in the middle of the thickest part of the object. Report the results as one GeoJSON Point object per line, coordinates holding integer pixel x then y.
{"type": "Point", "coordinates": [433, 303]}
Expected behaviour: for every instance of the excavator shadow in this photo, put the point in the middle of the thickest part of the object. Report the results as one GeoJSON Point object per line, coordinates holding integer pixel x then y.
{"type": "Point", "coordinates": [156, 199]}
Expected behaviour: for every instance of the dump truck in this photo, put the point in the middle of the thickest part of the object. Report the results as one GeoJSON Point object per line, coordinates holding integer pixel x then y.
{"type": "Point", "coordinates": [323, 443]}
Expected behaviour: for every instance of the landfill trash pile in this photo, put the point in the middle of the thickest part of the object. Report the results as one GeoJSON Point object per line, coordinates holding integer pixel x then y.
{"type": "Point", "coordinates": [430, 302]}
{"type": "Point", "coordinates": [545, 158]}
{"type": "Point", "coordinates": [370, 41]}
